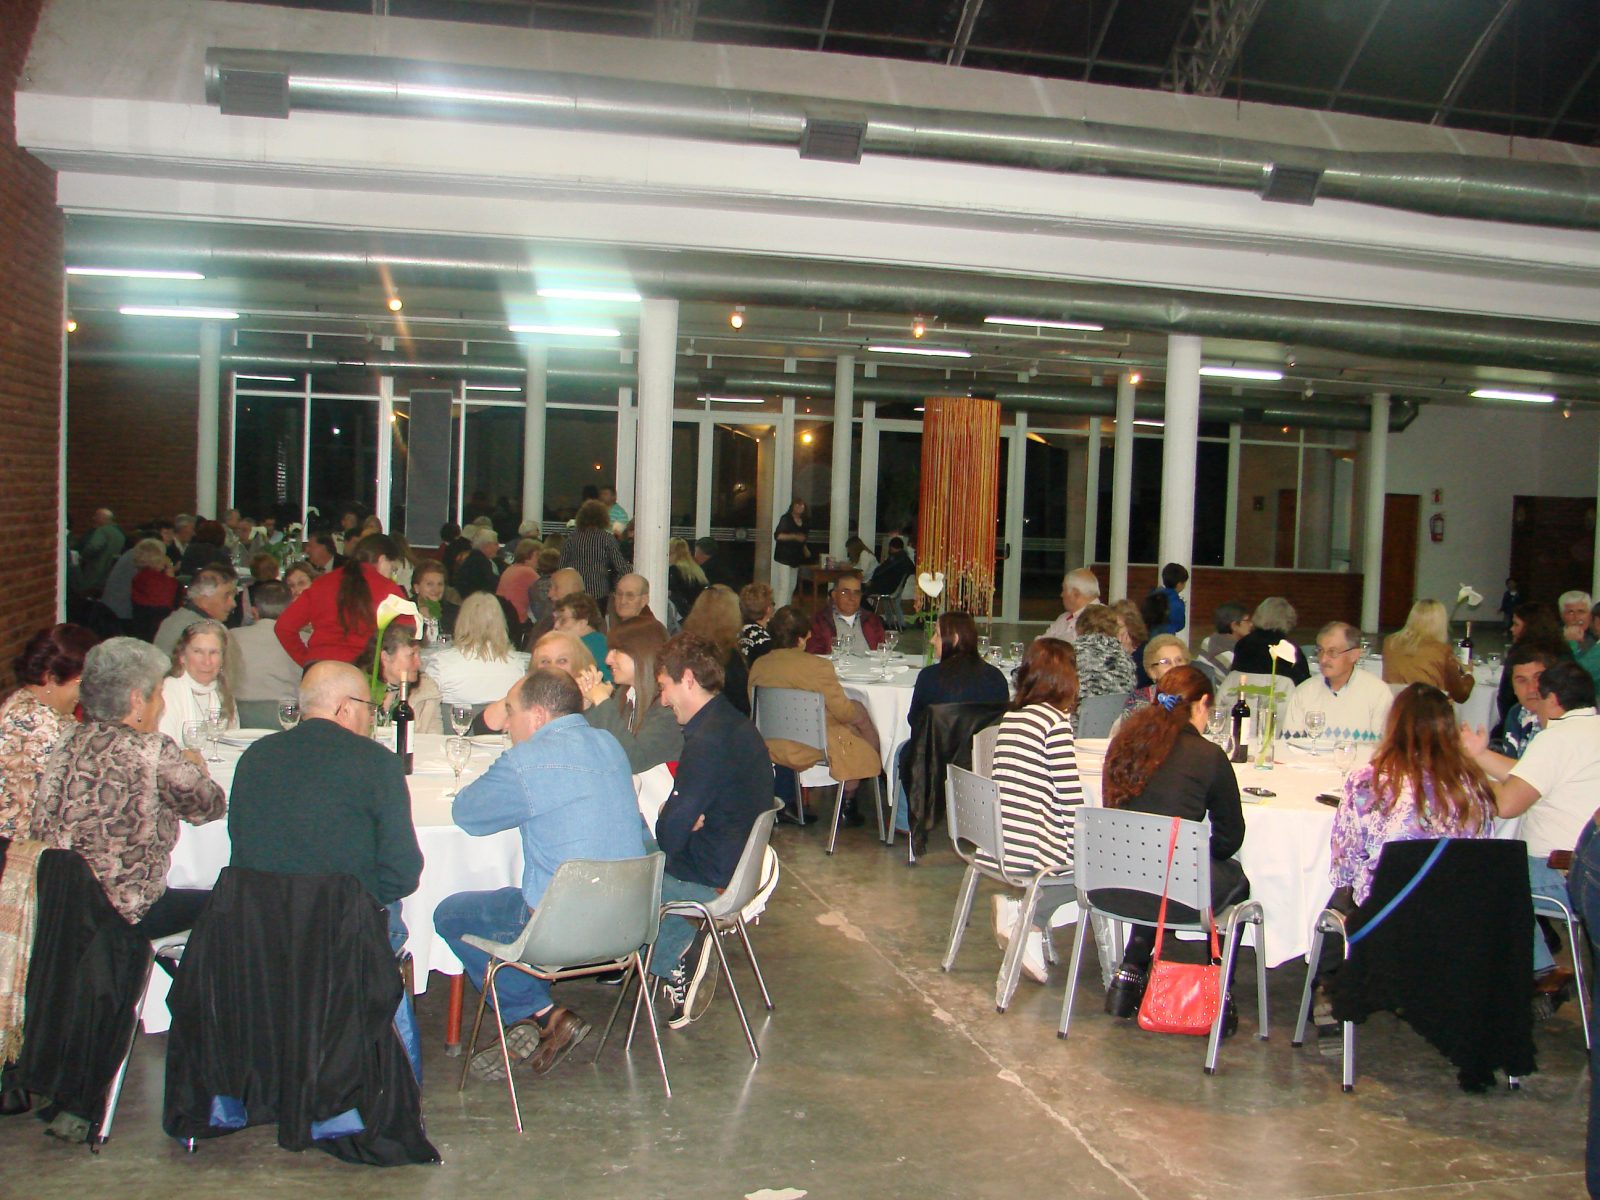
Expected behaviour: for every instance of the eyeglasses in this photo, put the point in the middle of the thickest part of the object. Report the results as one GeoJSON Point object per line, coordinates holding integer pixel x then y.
{"type": "Point", "coordinates": [361, 700]}
{"type": "Point", "coordinates": [1334, 652]}
{"type": "Point", "coordinates": [1171, 662]}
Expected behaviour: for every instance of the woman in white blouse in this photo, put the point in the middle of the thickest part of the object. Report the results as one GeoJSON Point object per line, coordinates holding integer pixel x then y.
{"type": "Point", "coordinates": [481, 666]}
{"type": "Point", "coordinates": [197, 690]}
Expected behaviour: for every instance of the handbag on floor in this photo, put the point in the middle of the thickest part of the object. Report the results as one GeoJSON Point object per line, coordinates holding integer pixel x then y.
{"type": "Point", "coordinates": [1180, 997]}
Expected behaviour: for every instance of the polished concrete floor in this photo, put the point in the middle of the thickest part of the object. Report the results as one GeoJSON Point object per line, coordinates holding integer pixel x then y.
{"type": "Point", "coordinates": [883, 1076]}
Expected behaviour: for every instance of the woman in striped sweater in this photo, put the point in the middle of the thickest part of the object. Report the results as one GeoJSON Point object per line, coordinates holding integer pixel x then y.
{"type": "Point", "coordinates": [1037, 773]}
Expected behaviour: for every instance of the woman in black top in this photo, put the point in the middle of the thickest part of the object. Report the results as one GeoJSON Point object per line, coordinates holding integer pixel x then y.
{"type": "Point", "coordinates": [1252, 654]}
{"type": "Point", "coordinates": [1160, 762]}
{"type": "Point", "coordinates": [960, 676]}
{"type": "Point", "coordinates": [789, 550]}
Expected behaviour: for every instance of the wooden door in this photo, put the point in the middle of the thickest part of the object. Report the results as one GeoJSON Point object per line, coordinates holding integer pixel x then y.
{"type": "Point", "coordinates": [1283, 533]}
{"type": "Point", "coordinates": [1402, 521]}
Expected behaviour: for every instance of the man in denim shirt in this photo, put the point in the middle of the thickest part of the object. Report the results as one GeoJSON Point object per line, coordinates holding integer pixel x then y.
{"type": "Point", "coordinates": [567, 787]}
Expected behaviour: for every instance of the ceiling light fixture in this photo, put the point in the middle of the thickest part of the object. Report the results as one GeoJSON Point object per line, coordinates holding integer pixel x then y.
{"type": "Point", "coordinates": [734, 399]}
{"type": "Point", "coordinates": [568, 330]}
{"type": "Point", "coordinates": [1151, 424]}
{"type": "Point", "coordinates": [72, 325]}
{"type": "Point", "coordinates": [918, 327]}
{"type": "Point", "coordinates": [598, 295]}
{"type": "Point", "coordinates": [1503, 394]}
{"type": "Point", "coordinates": [395, 304]}
{"type": "Point", "coordinates": [930, 351]}
{"type": "Point", "coordinates": [133, 273]}
{"type": "Point", "coordinates": [493, 387]}
{"type": "Point", "coordinates": [266, 378]}
{"type": "Point", "coordinates": [1241, 373]}
{"type": "Point", "coordinates": [736, 317]}
{"type": "Point", "coordinates": [1136, 379]}
{"type": "Point", "coordinates": [197, 314]}
{"type": "Point", "coordinates": [1040, 323]}
{"type": "Point", "coordinates": [806, 438]}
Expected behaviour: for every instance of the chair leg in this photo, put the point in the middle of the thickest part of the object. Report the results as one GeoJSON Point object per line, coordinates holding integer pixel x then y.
{"type": "Point", "coordinates": [963, 913]}
{"type": "Point", "coordinates": [104, 1133]}
{"type": "Point", "coordinates": [650, 1018]}
{"type": "Point", "coordinates": [1011, 963]}
{"type": "Point", "coordinates": [1261, 972]}
{"type": "Point", "coordinates": [727, 973]}
{"type": "Point", "coordinates": [838, 816]}
{"type": "Point", "coordinates": [477, 1023]}
{"type": "Point", "coordinates": [877, 806]}
{"type": "Point", "coordinates": [1575, 940]}
{"type": "Point", "coordinates": [1313, 956]}
{"type": "Point", "coordinates": [1072, 972]}
{"type": "Point", "coordinates": [505, 1051]}
{"type": "Point", "coordinates": [750, 953]}
{"type": "Point", "coordinates": [893, 802]}
{"type": "Point", "coordinates": [630, 974]}
{"type": "Point", "coordinates": [1230, 951]}
{"type": "Point", "coordinates": [1347, 1077]}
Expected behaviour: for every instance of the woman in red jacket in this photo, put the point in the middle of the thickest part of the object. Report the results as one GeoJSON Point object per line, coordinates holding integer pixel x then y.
{"type": "Point", "coordinates": [341, 606]}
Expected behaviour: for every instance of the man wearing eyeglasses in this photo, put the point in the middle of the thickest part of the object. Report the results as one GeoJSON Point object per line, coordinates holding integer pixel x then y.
{"type": "Point", "coordinates": [1356, 702]}
{"type": "Point", "coordinates": [355, 821]}
{"type": "Point", "coordinates": [843, 623]}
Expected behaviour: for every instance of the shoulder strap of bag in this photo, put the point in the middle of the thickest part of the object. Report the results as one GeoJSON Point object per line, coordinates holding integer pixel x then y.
{"type": "Point", "coordinates": [1394, 903]}
{"type": "Point", "coordinates": [1161, 915]}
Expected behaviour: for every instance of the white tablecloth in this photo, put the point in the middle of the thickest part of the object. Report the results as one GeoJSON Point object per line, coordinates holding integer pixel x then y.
{"type": "Point", "coordinates": [887, 698]}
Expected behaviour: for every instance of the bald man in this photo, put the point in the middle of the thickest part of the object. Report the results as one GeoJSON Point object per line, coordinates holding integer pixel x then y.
{"type": "Point", "coordinates": [325, 799]}
{"type": "Point", "coordinates": [565, 582]}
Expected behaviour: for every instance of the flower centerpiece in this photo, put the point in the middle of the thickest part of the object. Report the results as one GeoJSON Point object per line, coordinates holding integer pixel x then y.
{"type": "Point", "coordinates": [392, 607]}
{"type": "Point", "coordinates": [1267, 721]}
{"type": "Point", "coordinates": [931, 587]}
{"type": "Point", "coordinates": [1468, 596]}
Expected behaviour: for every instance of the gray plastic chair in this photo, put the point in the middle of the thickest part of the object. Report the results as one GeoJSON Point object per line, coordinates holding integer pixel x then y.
{"type": "Point", "coordinates": [1097, 714]}
{"type": "Point", "coordinates": [796, 715]}
{"type": "Point", "coordinates": [1548, 906]}
{"type": "Point", "coordinates": [257, 714]}
{"type": "Point", "coordinates": [595, 918]}
{"type": "Point", "coordinates": [983, 743]}
{"type": "Point", "coordinates": [1127, 851]}
{"type": "Point", "coordinates": [727, 912]}
{"type": "Point", "coordinates": [972, 811]}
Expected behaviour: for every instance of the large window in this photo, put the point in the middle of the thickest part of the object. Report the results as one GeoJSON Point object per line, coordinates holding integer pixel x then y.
{"type": "Point", "coordinates": [269, 458]}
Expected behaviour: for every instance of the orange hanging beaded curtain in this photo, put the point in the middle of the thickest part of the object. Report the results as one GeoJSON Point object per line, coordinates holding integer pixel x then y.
{"type": "Point", "coordinates": [959, 497]}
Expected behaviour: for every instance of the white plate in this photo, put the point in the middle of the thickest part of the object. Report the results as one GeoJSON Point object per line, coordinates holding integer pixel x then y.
{"type": "Point", "coordinates": [494, 741]}
{"type": "Point", "coordinates": [245, 737]}
{"type": "Point", "coordinates": [861, 676]}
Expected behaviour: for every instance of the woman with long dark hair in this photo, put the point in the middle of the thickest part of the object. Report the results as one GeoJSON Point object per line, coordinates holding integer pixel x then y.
{"type": "Point", "coordinates": [1160, 762]}
{"type": "Point", "coordinates": [341, 607]}
{"type": "Point", "coordinates": [631, 709]}
{"type": "Point", "coordinates": [960, 676]}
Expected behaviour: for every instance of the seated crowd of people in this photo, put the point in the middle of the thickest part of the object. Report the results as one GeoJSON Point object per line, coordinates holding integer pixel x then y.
{"type": "Point", "coordinates": [562, 650]}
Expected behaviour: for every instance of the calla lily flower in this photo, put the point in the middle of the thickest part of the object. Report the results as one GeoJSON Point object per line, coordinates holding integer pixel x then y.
{"type": "Point", "coordinates": [1284, 651]}
{"type": "Point", "coordinates": [396, 606]}
{"type": "Point", "coordinates": [1468, 596]}
{"type": "Point", "coordinates": [931, 585]}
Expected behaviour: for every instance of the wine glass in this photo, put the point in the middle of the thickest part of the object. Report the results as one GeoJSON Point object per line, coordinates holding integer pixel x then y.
{"type": "Point", "coordinates": [212, 731]}
{"type": "Point", "coordinates": [1219, 730]}
{"type": "Point", "coordinates": [891, 639]}
{"type": "Point", "coordinates": [194, 736]}
{"type": "Point", "coordinates": [460, 718]}
{"type": "Point", "coordinates": [1344, 757]}
{"type": "Point", "coordinates": [1016, 652]}
{"type": "Point", "coordinates": [983, 645]}
{"type": "Point", "coordinates": [1316, 722]}
{"type": "Point", "coordinates": [288, 714]}
{"type": "Point", "coordinates": [458, 753]}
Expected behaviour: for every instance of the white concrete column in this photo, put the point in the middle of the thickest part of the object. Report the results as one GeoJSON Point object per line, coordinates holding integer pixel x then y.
{"type": "Point", "coordinates": [844, 396]}
{"type": "Point", "coordinates": [205, 459]}
{"type": "Point", "coordinates": [1180, 444]}
{"type": "Point", "coordinates": [867, 505]}
{"type": "Point", "coordinates": [1091, 495]}
{"type": "Point", "coordinates": [1016, 484]}
{"type": "Point", "coordinates": [652, 518]}
{"type": "Point", "coordinates": [702, 479]}
{"type": "Point", "coordinates": [383, 495]}
{"type": "Point", "coordinates": [533, 433]}
{"type": "Point", "coordinates": [1230, 528]}
{"type": "Point", "coordinates": [1372, 529]}
{"type": "Point", "coordinates": [1594, 587]}
{"type": "Point", "coordinates": [1121, 488]}
{"type": "Point", "coordinates": [627, 444]}
{"type": "Point", "coordinates": [60, 546]}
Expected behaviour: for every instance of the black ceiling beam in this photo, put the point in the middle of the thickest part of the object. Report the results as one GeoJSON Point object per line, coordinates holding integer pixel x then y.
{"type": "Point", "coordinates": [1473, 60]}
{"type": "Point", "coordinates": [969, 18]}
{"type": "Point", "coordinates": [1099, 40]}
{"type": "Point", "coordinates": [1572, 95]}
{"type": "Point", "coordinates": [1356, 53]}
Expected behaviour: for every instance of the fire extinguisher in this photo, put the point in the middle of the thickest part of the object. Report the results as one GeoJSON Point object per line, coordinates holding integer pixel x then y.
{"type": "Point", "coordinates": [1436, 527]}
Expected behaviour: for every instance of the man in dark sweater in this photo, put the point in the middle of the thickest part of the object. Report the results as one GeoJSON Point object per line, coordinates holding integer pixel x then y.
{"type": "Point", "coordinates": [355, 820]}
{"type": "Point", "coordinates": [478, 571]}
{"type": "Point", "coordinates": [724, 782]}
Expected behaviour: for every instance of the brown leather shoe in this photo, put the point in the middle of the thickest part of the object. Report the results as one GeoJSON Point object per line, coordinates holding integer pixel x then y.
{"type": "Point", "coordinates": [522, 1039]}
{"type": "Point", "coordinates": [562, 1033]}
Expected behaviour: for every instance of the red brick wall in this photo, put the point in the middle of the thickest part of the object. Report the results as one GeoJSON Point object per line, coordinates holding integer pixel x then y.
{"type": "Point", "coordinates": [30, 360]}
{"type": "Point", "coordinates": [1318, 596]}
{"type": "Point", "coordinates": [131, 442]}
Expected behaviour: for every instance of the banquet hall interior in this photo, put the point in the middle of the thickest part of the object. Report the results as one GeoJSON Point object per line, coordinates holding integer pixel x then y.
{"type": "Point", "coordinates": [1305, 298]}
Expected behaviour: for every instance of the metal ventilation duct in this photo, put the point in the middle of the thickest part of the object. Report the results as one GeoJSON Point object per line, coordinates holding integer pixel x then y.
{"type": "Point", "coordinates": [1454, 185]}
{"type": "Point", "coordinates": [1091, 402]}
{"type": "Point", "coordinates": [312, 255]}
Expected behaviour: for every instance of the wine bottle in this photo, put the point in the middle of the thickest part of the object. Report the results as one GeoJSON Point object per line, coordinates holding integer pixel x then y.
{"type": "Point", "coordinates": [404, 720]}
{"type": "Point", "coordinates": [1241, 723]}
{"type": "Point", "coordinates": [1464, 651]}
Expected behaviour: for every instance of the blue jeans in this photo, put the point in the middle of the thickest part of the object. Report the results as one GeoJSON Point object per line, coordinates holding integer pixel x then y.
{"type": "Point", "coordinates": [1584, 883]}
{"type": "Point", "coordinates": [499, 916]}
{"type": "Point", "coordinates": [1545, 882]}
{"type": "Point", "coordinates": [677, 932]}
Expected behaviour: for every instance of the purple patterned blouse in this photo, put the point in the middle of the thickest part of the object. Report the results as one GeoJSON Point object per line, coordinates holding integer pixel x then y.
{"type": "Point", "coordinates": [1362, 826]}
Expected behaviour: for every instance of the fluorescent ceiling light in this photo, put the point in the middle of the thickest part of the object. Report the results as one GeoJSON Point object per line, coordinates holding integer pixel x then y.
{"type": "Point", "coordinates": [1085, 326]}
{"type": "Point", "coordinates": [1525, 397]}
{"type": "Point", "coordinates": [133, 273]}
{"type": "Point", "coordinates": [267, 378]}
{"type": "Point", "coordinates": [598, 294]}
{"type": "Point", "coordinates": [930, 351]}
{"type": "Point", "coordinates": [199, 314]}
{"type": "Point", "coordinates": [1150, 424]}
{"type": "Point", "coordinates": [1241, 373]}
{"type": "Point", "coordinates": [493, 387]}
{"type": "Point", "coordinates": [568, 330]}
{"type": "Point", "coordinates": [734, 399]}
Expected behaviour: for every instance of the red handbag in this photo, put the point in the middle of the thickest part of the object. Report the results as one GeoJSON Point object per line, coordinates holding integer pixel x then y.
{"type": "Point", "coordinates": [1180, 997]}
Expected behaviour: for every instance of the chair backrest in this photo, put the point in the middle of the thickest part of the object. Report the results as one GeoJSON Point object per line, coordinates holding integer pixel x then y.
{"type": "Point", "coordinates": [972, 808]}
{"type": "Point", "coordinates": [983, 743]}
{"type": "Point", "coordinates": [1120, 857]}
{"type": "Point", "coordinates": [792, 715]}
{"type": "Point", "coordinates": [1097, 714]}
{"type": "Point", "coordinates": [746, 879]}
{"type": "Point", "coordinates": [595, 910]}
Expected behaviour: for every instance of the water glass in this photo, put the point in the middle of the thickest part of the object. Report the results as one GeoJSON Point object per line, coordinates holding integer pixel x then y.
{"type": "Point", "coordinates": [891, 639]}
{"type": "Point", "coordinates": [1344, 757]}
{"type": "Point", "coordinates": [213, 731]}
{"type": "Point", "coordinates": [458, 753]}
{"type": "Point", "coordinates": [1316, 722]}
{"type": "Point", "coordinates": [1016, 652]}
{"type": "Point", "coordinates": [194, 736]}
{"type": "Point", "coordinates": [288, 714]}
{"type": "Point", "coordinates": [983, 645]}
{"type": "Point", "coordinates": [460, 718]}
